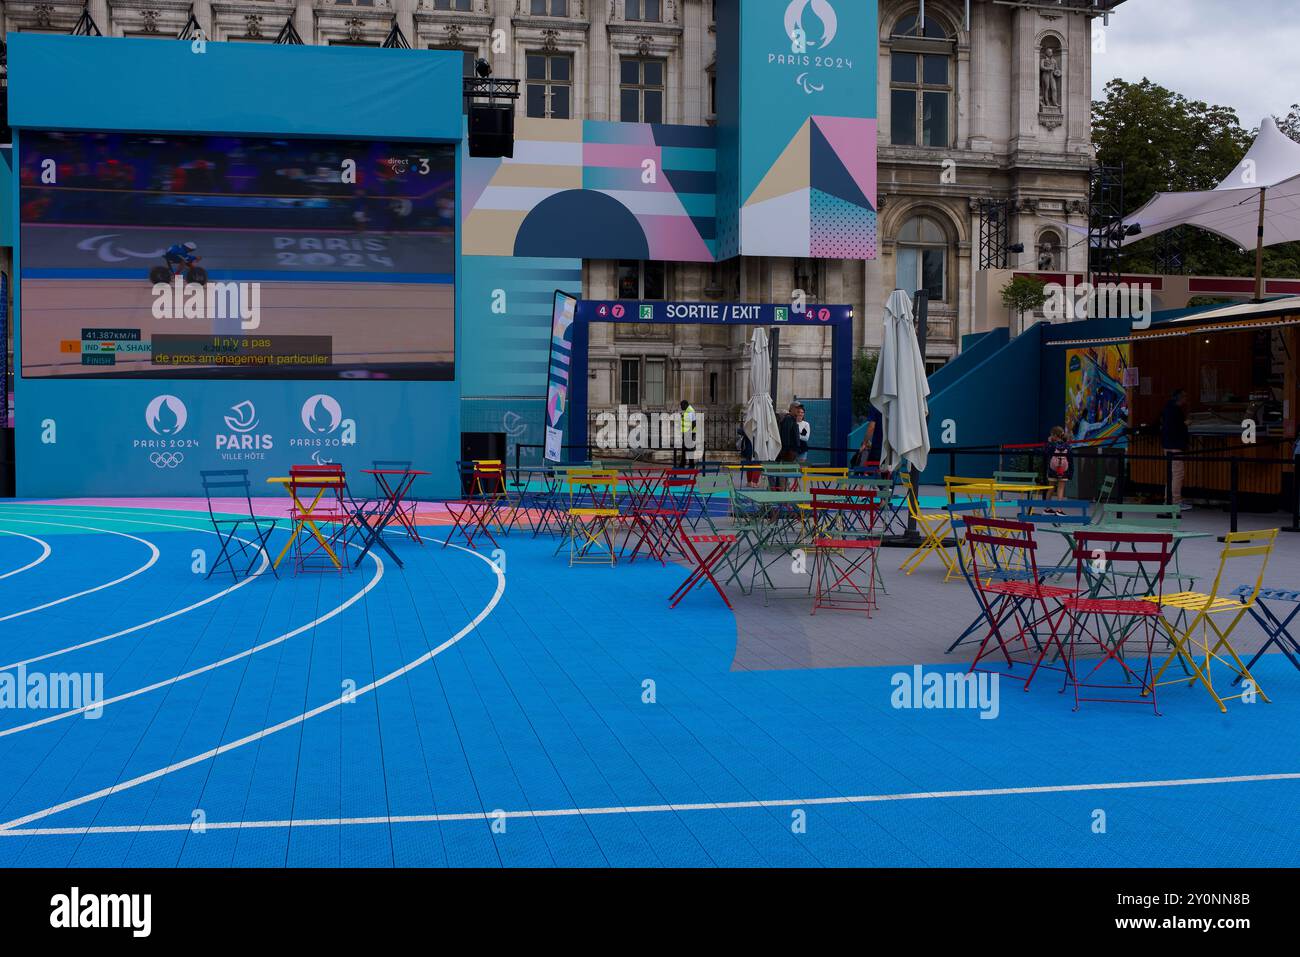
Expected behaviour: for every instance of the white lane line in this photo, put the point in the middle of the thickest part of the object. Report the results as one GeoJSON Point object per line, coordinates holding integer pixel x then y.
{"type": "Point", "coordinates": [148, 624]}
{"type": "Point", "coordinates": [45, 553]}
{"type": "Point", "coordinates": [153, 557]}
{"type": "Point", "coordinates": [289, 722]}
{"type": "Point", "coordinates": [9, 830]}
{"type": "Point", "coordinates": [210, 666]}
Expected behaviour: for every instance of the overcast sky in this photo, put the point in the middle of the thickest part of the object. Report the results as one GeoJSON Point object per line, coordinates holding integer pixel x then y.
{"type": "Point", "coordinates": [1235, 53]}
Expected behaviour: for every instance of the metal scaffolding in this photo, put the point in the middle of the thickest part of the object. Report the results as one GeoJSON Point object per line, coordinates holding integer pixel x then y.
{"type": "Point", "coordinates": [1105, 224]}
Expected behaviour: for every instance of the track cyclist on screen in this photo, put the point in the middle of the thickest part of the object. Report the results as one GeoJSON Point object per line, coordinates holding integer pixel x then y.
{"type": "Point", "coordinates": [180, 257]}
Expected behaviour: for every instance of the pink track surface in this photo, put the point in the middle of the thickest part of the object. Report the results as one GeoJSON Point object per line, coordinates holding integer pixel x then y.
{"type": "Point", "coordinates": [271, 507]}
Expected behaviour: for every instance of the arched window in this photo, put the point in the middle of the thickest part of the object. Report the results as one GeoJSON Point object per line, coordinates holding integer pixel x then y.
{"type": "Point", "coordinates": [921, 258]}
{"type": "Point", "coordinates": [921, 60]}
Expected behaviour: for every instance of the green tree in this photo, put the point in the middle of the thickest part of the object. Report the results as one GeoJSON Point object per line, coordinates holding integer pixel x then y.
{"type": "Point", "coordinates": [1290, 124]}
{"type": "Point", "coordinates": [1024, 294]}
{"type": "Point", "coordinates": [864, 375]}
{"type": "Point", "coordinates": [1167, 142]}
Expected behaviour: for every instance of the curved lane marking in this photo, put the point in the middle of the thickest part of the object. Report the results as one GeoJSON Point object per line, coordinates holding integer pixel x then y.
{"type": "Point", "coordinates": [153, 557]}
{"type": "Point", "coordinates": [31, 538]}
{"type": "Point", "coordinates": [155, 621]}
{"type": "Point", "coordinates": [210, 666]}
{"type": "Point", "coordinates": [288, 722]}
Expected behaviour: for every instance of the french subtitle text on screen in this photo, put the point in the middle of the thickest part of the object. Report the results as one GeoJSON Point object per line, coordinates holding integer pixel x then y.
{"type": "Point", "coordinates": [236, 351]}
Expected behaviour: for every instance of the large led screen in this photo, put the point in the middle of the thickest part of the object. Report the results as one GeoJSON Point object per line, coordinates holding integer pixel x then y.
{"type": "Point", "coordinates": [226, 257]}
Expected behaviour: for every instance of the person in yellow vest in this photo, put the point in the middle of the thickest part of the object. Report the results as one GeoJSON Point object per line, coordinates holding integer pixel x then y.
{"type": "Point", "coordinates": [689, 437]}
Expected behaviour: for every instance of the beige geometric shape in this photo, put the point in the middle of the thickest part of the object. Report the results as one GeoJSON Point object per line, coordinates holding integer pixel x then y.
{"type": "Point", "coordinates": [552, 131]}
{"type": "Point", "coordinates": [538, 176]}
{"type": "Point", "coordinates": [491, 232]}
{"type": "Point", "coordinates": [790, 172]}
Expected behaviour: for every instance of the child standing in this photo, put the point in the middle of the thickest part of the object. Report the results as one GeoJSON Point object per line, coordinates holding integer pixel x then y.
{"type": "Point", "coordinates": [1060, 462]}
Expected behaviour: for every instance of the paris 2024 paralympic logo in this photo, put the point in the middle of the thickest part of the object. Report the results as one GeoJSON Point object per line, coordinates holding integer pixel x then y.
{"type": "Point", "coordinates": [807, 54]}
{"type": "Point", "coordinates": [322, 417]}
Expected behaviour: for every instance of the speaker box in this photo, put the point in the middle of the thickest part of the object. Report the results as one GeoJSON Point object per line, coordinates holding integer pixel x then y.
{"type": "Point", "coordinates": [8, 464]}
{"type": "Point", "coordinates": [491, 130]}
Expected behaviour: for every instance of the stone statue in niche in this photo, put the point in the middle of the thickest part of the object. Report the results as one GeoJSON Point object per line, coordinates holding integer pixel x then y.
{"type": "Point", "coordinates": [1049, 78]}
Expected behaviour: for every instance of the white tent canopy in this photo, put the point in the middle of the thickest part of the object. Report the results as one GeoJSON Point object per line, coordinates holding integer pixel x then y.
{"type": "Point", "coordinates": [1231, 209]}
{"type": "Point", "coordinates": [760, 418]}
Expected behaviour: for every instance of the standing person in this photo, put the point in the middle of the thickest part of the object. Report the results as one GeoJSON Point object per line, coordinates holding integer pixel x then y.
{"type": "Point", "coordinates": [1175, 439]}
{"type": "Point", "coordinates": [869, 450]}
{"type": "Point", "coordinates": [788, 429]}
{"type": "Point", "coordinates": [689, 436]}
{"type": "Point", "coordinates": [1060, 463]}
{"type": "Point", "coordinates": [805, 433]}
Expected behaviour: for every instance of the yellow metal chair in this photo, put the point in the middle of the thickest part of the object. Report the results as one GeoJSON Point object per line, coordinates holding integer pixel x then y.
{"type": "Point", "coordinates": [593, 512]}
{"type": "Point", "coordinates": [1192, 641]}
{"type": "Point", "coordinates": [820, 477]}
{"type": "Point", "coordinates": [934, 528]}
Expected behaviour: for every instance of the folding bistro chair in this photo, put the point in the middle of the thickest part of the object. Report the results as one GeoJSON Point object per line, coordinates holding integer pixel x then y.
{"type": "Point", "coordinates": [593, 513]}
{"type": "Point", "coordinates": [845, 568]}
{"type": "Point", "coordinates": [812, 477]}
{"type": "Point", "coordinates": [1192, 641]}
{"type": "Point", "coordinates": [326, 483]}
{"type": "Point", "coordinates": [893, 514]}
{"type": "Point", "coordinates": [1073, 514]}
{"type": "Point", "coordinates": [1276, 628]}
{"type": "Point", "coordinates": [1104, 492]}
{"type": "Point", "coordinates": [958, 512]}
{"type": "Point", "coordinates": [1083, 613]}
{"type": "Point", "coordinates": [934, 528]}
{"type": "Point", "coordinates": [1014, 478]}
{"type": "Point", "coordinates": [1004, 569]}
{"type": "Point", "coordinates": [782, 476]}
{"type": "Point", "coordinates": [657, 520]}
{"type": "Point", "coordinates": [700, 508]}
{"type": "Point", "coordinates": [703, 564]}
{"type": "Point", "coordinates": [234, 483]}
{"type": "Point", "coordinates": [1167, 518]}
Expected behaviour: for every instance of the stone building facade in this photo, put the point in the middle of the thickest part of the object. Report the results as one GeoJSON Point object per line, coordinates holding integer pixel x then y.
{"type": "Point", "coordinates": [998, 110]}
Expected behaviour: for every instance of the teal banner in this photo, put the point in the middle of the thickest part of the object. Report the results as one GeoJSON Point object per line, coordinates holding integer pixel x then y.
{"type": "Point", "coordinates": [797, 128]}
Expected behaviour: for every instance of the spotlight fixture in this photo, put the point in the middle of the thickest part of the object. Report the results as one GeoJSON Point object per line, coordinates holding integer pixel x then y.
{"type": "Point", "coordinates": [482, 68]}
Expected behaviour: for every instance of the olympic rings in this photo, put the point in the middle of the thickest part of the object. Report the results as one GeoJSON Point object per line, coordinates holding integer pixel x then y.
{"type": "Point", "coordinates": [166, 460]}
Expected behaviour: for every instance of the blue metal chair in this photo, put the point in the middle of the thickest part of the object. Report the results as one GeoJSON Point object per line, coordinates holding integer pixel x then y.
{"type": "Point", "coordinates": [226, 483]}
{"type": "Point", "coordinates": [1277, 629]}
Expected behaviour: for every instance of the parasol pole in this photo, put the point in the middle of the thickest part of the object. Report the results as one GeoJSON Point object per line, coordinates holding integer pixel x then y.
{"type": "Point", "coordinates": [1259, 249]}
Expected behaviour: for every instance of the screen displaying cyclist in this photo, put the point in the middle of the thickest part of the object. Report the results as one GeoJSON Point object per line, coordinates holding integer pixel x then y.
{"type": "Point", "coordinates": [181, 256]}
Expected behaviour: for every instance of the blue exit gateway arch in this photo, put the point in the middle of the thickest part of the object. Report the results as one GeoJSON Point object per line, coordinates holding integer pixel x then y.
{"type": "Point", "coordinates": [838, 318]}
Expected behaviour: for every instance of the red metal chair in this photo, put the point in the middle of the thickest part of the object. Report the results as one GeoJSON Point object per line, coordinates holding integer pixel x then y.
{"type": "Point", "coordinates": [1096, 555]}
{"type": "Point", "coordinates": [842, 556]}
{"type": "Point", "coordinates": [326, 486]}
{"type": "Point", "coordinates": [1006, 582]}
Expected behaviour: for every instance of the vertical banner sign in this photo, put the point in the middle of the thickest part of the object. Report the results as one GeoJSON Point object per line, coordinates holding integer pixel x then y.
{"type": "Point", "coordinates": [557, 379]}
{"type": "Point", "coordinates": [797, 132]}
{"type": "Point", "coordinates": [4, 350]}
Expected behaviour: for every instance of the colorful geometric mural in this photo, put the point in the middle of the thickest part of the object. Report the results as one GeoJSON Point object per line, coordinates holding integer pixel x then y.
{"type": "Point", "coordinates": [819, 196]}
{"type": "Point", "coordinates": [594, 190]}
{"type": "Point", "coordinates": [1096, 402]}
{"type": "Point", "coordinates": [505, 315]}
{"type": "Point", "coordinates": [797, 128]}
